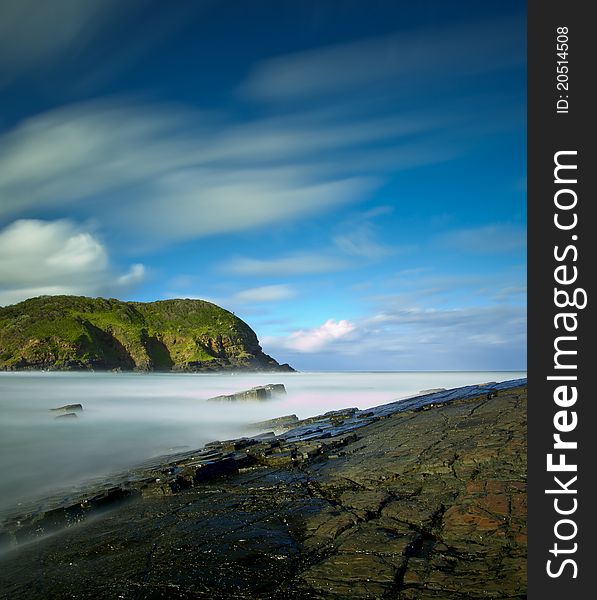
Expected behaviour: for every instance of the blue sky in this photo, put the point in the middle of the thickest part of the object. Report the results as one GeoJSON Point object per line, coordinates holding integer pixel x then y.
{"type": "Point", "coordinates": [347, 177]}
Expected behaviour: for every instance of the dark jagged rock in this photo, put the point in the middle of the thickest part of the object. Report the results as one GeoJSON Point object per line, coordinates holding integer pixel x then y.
{"type": "Point", "coordinates": [421, 499]}
{"type": "Point", "coordinates": [68, 408]}
{"type": "Point", "coordinates": [261, 392]}
{"type": "Point", "coordinates": [77, 333]}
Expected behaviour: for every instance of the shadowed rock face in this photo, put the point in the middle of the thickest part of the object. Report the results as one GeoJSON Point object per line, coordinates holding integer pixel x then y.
{"type": "Point", "coordinates": [416, 500]}
{"type": "Point", "coordinates": [284, 422]}
{"type": "Point", "coordinates": [68, 408]}
{"type": "Point", "coordinates": [261, 392]}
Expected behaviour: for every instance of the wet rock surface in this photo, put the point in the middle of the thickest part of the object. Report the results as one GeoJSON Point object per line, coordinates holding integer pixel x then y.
{"type": "Point", "coordinates": [283, 422]}
{"type": "Point", "coordinates": [418, 499]}
{"type": "Point", "coordinates": [261, 392]}
{"type": "Point", "coordinates": [68, 408]}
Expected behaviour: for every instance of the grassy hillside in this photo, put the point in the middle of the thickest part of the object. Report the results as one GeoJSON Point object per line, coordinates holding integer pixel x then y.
{"type": "Point", "coordinates": [75, 332]}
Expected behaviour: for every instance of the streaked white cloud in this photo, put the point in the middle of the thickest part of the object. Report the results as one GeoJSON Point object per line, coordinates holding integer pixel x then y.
{"type": "Point", "coordinates": [430, 287]}
{"type": "Point", "coordinates": [47, 39]}
{"type": "Point", "coordinates": [487, 239]}
{"type": "Point", "coordinates": [414, 56]}
{"type": "Point", "coordinates": [102, 146]}
{"type": "Point", "coordinates": [200, 205]}
{"type": "Point", "coordinates": [355, 243]}
{"type": "Point", "coordinates": [55, 257]}
{"type": "Point", "coordinates": [509, 293]}
{"type": "Point", "coordinates": [35, 33]}
{"type": "Point", "coordinates": [359, 236]}
{"type": "Point", "coordinates": [251, 301]}
{"type": "Point", "coordinates": [163, 174]}
{"type": "Point", "coordinates": [294, 264]}
{"type": "Point", "coordinates": [266, 293]}
{"type": "Point", "coordinates": [136, 274]}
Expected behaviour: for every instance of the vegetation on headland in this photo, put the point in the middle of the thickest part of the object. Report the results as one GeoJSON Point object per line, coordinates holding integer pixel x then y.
{"type": "Point", "coordinates": [80, 333]}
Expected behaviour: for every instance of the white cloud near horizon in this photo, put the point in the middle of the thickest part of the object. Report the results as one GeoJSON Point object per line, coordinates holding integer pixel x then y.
{"type": "Point", "coordinates": [412, 338]}
{"type": "Point", "coordinates": [313, 340]}
{"type": "Point", "coordinates": [56, 257]}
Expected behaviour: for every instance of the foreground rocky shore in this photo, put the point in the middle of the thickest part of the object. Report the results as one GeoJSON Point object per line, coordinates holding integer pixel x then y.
{"type": "Point", "coordinates": [418, 499]}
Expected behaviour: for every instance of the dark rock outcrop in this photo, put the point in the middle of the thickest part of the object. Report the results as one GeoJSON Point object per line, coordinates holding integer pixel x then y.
{"type": "Point", "coordinates": [286, 422]}
{"type": "Point", "coordinates": [261, 392]}
{"type": "Point", "coordinates": [68, 408]}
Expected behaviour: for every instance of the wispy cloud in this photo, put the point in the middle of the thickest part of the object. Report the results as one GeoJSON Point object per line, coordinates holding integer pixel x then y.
{"type": "Point", "coordinates": [135, 275]}
{"type": "Point", "coordinates": [266, 293]}
{"type": "Point", "coordinates": [178, 173]}
{"type": "Point", "coordinates": [362, 243]}
{"type": "Point", "coordinates": [481, 337]}
{"type": "Point", "coordinates": [413, 57]}
{"type": "Point", "coordinates": [41, 38]}
{"type": "Point", "coordinates": [356, 243]}
{"type": "Point", "coordinates": [427, 288]}
{"type": "Point", "coordinates": [178, 177]}
{"type": "Point", "coordinates": [487, 239]}
{"type": "Point", "coordinates": [34, 33]}
{"type": "Point", "coordinates": [359, 236]}
{"type": "Point", "coordinates": [192, 205]}
{"type": "Point", "coordinates": [56, 257]}
{"type": "Point", "coordinates": [294, 264]}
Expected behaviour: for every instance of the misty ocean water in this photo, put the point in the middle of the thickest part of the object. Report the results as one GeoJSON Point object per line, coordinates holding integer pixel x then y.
{"type": "Point", "coordinates": [130, 417]}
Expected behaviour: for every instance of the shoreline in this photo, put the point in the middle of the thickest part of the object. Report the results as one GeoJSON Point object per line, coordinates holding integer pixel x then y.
{"type": "Point", "coordinates": [310, 453]}
{"type": "Point", "coordinates": [67, 497]}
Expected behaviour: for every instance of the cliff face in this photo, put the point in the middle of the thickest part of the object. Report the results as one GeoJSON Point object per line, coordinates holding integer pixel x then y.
{"type": "Point", "coordinates": [79, 333]}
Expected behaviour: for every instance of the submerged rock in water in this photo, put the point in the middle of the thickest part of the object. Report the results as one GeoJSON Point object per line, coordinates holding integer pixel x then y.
{"type": "Point", "coordinates": [68, 408]}
{"type": "Point", "coordinates": [68, 415]}
{"type": "Point", "coordinates": [261, 392]}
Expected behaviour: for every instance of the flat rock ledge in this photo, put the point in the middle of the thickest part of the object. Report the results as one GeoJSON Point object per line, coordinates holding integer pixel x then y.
{"type": "Point", "coordinates": [419, 499]}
